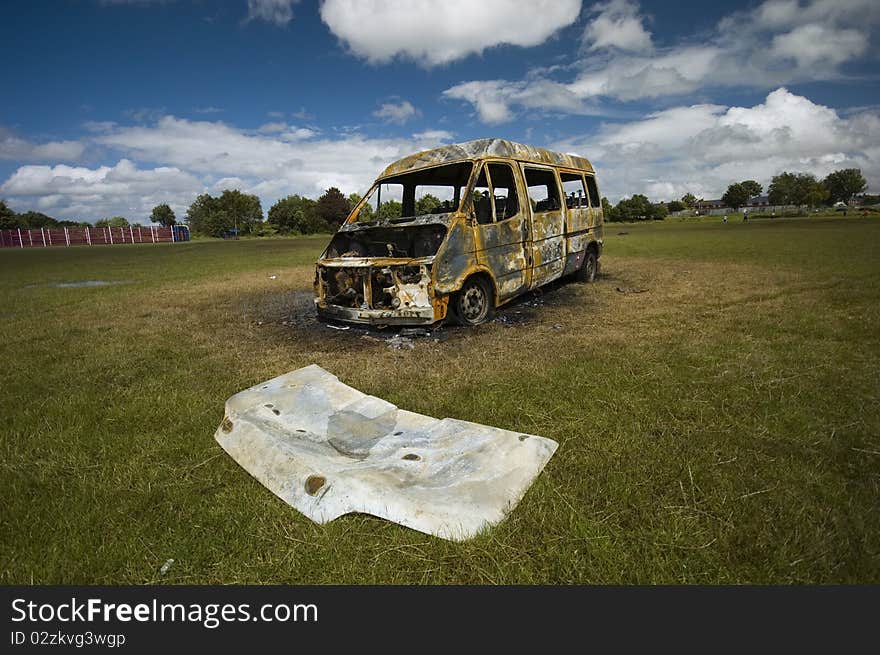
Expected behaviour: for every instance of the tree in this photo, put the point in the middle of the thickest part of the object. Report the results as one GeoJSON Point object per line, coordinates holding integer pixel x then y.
{"type": "Point", "coordinates": [843, 184]}
{"type": "Point", "coordinates": [8, 219]}
{"type": "Point", "coordinates": [752, 188]}
{"type": "Point", "coordinates": [164, 215]}
{"type": "Point", "coordinates": [608, 210]}
{"type": "Point", "coordinates": [427, 204]}
{"type": "Point", "coordinates": [689, 200]}
{"type": "Point", "coordinates": [676, 206]}
{"type": "Point", "coordinates": [333, 207]}
{"type": "Point", "coordinates": [736, 196]}
{"type": "Point", "coordinates": [796, 189]}
{"type": "Point", "coordinates": [116, 221]}
{"type": "Point", "coordinates": [388, 210]}
{"type": "Point", "coordinates": [203, 218]}
{"type": "Point", "coordinates": [296, 214]}
{"type": "Point", "coordinates": [659, 211]}
{"type": "Point", "coordinates": [216, 216]}
{"type": "Point", "coordinates": [35, 220]}
{"type": "Point", "coordinates": [637, 208]}
{"type": "Point", "coordinates": [243, 209]}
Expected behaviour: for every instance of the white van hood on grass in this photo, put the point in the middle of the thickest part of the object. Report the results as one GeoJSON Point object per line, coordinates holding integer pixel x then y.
{"type": "Point", "coordinates": [327, 449]}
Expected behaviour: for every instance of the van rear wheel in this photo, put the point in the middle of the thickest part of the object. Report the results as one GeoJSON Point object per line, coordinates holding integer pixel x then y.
{"type": "Point", "coordinates": [589, 268]}
{"type": "Point", "coordinates": [475, 303]}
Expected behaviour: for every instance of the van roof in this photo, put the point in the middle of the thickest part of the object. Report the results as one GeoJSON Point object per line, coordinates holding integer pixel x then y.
{"type": "Point", "coordinates": [482, 148]}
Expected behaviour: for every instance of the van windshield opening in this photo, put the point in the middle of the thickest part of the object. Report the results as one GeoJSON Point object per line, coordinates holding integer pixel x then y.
{"type": "Point", "coordinates": [436, 190]}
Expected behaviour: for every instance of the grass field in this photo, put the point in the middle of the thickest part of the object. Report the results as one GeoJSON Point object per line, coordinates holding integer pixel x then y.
{"type": "Point", "coordinates": [722, 426]}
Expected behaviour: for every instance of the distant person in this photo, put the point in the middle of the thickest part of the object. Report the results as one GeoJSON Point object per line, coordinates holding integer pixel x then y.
{"type": "Point", "coordinates": [745, 215]}
{"type": "Point", "coordinates": [724, 220]}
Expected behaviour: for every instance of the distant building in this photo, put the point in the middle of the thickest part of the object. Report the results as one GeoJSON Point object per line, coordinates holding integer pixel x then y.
{"type": "Point", "coordinates": [758, 201]}
{"type": "Point", "coordinates": [709, 205]}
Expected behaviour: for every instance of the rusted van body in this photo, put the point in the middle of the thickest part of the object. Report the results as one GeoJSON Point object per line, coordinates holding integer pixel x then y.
{"type": "Point", "coordinates": [460, 230]}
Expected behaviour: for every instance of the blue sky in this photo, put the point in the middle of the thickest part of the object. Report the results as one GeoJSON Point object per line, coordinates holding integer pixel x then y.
{"type": "Point", "coordinates": [111, 107]}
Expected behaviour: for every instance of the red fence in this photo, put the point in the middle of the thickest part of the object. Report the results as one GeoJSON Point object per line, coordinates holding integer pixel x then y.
{"type": "Point", "coordinates": [90, 236]}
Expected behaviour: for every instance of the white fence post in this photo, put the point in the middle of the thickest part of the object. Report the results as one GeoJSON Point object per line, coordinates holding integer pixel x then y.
{"type": "Point", "coordinates": [30, 237]}
{"type": "Point", "coordinates": [110, 230]}
{"type": "Point", "coordinates": [131, 233]}
{"type": "Point", "coordinates": [20, 242]}
{"type": "Point", "coordinates": [66, 236]}
{"type": "Point", "coordinates": [43, 232]}
{"type": "Point", "coordinates": [88, 236]}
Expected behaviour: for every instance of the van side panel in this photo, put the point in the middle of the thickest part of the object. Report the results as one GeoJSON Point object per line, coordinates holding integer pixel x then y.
{"type": "Point", "coordinates": [456, 258]}
{"type": "Point", "coordinates": [501, 251]}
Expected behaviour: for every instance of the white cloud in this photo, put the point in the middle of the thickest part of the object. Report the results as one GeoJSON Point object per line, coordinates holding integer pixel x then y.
{"type": "Point", "coordinates": [90, 193]}
{"type": "Point", "coordinates": [199, 156]}
{"type": "Point", "coordinates": [493, 98]}
{"type": "Point", "coordinates": [396, 112]}
{"type": "Point", "coordinates": [434, 33]}
{"type": "Point", "coordinates": [13, 147]}
{"type": "Point", "coordinates": [703, 148]}
{"type": "Point", "coordinates": [278, 12]}
{"type": "Point", "coordinates": [814, 44]}
{"type": "Point", "coordinates": [434, 135]}
{"type": "Point", "coordinates": [618, 25]}
{"type": "Point", "coordinates": [268, 128]}
{"type": "Point", "coordinates": [779, 42]}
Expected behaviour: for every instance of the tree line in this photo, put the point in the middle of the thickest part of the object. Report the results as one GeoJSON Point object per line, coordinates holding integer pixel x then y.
{"type": "Point", "coordinates": [236, 212]}
{"type": "Point", "coordinates": [800, 189]}
{"type": "Point", "coordinates": [32, 220]}
{"type": "Point", "coordinates": [785, 189]}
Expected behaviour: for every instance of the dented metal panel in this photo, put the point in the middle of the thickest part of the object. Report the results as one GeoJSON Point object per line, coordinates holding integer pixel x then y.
{"type": "Point", "coordinates": [481, 148]}
{"type": "Point", "coordinates": [327, 449]}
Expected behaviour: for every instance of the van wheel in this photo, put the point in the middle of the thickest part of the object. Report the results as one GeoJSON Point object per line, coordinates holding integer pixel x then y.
{"type": "Point", "coordinates": [475, 303]}
{"type": "Point", "coordinates": [589, 268]}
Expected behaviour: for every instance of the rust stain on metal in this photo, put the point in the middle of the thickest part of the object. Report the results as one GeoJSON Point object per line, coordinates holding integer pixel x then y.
{"type": "Point", "coordinates": [412, 266]}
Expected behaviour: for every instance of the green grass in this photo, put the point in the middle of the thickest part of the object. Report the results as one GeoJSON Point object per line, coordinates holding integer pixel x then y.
{"type": "Point", "coordinates": [720, 427]}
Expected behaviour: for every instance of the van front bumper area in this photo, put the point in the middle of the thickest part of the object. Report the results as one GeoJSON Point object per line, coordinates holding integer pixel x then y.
{"type": "Point", "coordinates": [409, 316]}
{"type": "Point", "coordinates": [376, 291]}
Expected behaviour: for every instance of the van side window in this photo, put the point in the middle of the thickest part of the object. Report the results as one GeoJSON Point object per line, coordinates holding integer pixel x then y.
{"type": "Point", "coordinates": [543, 190]}
{"type": "Point", "coordinates": [593, 191]}
{"type": "Point", "coordinates": [504, 191]}
{"type": "Point", "coordinates": [573, 190]}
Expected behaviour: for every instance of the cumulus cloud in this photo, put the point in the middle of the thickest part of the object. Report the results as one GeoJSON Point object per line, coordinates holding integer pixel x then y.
{"type": "Point", "coordinates": [617, 25]}
{"type": "Point", "coordinates": [777, 43]}
{"type": "Point", "coordinates": [493, 99]}
{"type": "Point", "coordinates": [277, 12]}
{"type": "Point", "coordinates": [89, 193]}
{"type": "Point", "coordinates": [433, 33]}
{"type": "Point", "coordinates": [16, 148]}
{"type": "Point", "coordinates": [396, 112]}
{"type": "Point", "coordinates": [703, 148]}
{"type": "Point", "coordinates": [199, 156]}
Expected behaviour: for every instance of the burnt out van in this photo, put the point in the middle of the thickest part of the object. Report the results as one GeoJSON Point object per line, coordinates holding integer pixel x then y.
{"type": "Point", "coordinates": [460, 230]}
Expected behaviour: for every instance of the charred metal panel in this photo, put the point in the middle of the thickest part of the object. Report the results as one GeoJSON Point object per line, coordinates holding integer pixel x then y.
{"type": "Point", "coordinates": [500, 148]}
{"type": "Point", "coordinates": [327, 449]}
{"type": "Point", "coordinates": [502, 251]}
{"type": "Point", "coordinates": [456, 258]}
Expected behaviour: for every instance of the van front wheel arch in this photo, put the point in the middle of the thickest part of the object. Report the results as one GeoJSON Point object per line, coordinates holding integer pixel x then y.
{"type": "Point", "coordinates": [475, 302]}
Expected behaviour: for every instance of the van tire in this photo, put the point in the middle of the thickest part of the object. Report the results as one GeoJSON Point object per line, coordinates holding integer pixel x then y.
{"type": "Point", "coordinates": [589, 267]}
{"type": "Point", "coordinates": [475, 302]}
